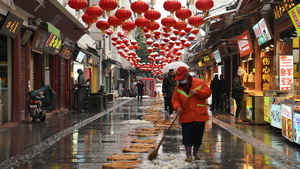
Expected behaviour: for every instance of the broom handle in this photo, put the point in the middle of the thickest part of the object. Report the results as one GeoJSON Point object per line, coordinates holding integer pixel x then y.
{"type": "Point", "coordinates": [159, 144]}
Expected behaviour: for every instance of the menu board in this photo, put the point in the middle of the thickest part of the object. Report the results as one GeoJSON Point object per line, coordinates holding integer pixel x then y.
{"type": "Point", "coordinates": [39, 40]}
{"type": "Point", "coordinates": [275, 116]}
{"type": "Point", "coordinates": [287, 122]}
{"type": "Point", "coordinates": [262, 32]}
{"type": "Point", "coordinates": [249, 113]}
{"type": "Point", "coordinates": [296, 127]}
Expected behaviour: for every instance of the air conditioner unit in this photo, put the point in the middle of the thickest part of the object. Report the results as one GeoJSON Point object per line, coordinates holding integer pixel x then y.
{"type": "Point", "coordinates": [99, 45]}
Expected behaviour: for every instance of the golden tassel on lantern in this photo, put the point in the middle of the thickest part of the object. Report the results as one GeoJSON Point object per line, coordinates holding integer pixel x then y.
{"type": "Point", "coordinates": [117, 1]}
{"type": "Point", "coordinates": [191, 2]}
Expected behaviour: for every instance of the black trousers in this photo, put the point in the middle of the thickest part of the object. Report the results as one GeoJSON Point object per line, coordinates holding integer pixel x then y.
{"type": "Point", "coordinates": [166, 104]}
{"type": "Point", "coordinates": [238, 107]}
{"type": "Point", "coordinates": [192, 133]}
{"type": "Point", "coordinates": [215, 101]}
{"type": "Point", "coordinates": [169, 104]}
{"type": "Point", "coordinates": [140, 95]}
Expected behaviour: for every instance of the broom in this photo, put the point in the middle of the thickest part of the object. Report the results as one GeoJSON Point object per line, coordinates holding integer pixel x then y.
{"type": "Point", "coordinates": [152, 155]}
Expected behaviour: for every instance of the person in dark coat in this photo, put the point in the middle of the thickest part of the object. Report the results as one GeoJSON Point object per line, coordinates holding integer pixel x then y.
{"type": "Point", "coordinates": [140, 85]}
{"type": "Point", "coordinates": [222, 82]}
{"type": "Point", "coordinates": [238, 94]}
{"type": "Point", "coordinates": [215, 87]}
{"type": "Point", "coordinates": [103, 93]}
{"type": "Point", "coordinates": [169, 84]}
{"type": "Point", "coordinates": [165, 97]}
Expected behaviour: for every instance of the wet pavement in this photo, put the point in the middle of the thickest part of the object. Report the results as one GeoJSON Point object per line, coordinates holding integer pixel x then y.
{"type": "Point", "coordinates": [85, 140]}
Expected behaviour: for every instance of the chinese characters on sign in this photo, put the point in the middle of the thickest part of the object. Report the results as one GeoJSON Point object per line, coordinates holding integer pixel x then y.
{"type": "Point", "coordinates": [286, 72]}
{"type": "Point", "coordinates": [279, 9]}
{"type": "Point", "coordinates": [295, 17]}
{"type": "Point", "coordinates": [66, 52]}
{"type": "Point", "coordinates": [265, 75]}
{"type": "Point", "coordinates": [11, 25]}
{"type": "Point", "coordinates": [245, 46]}
{"type": "Point", "coordinates": [53, 44]}
{"type": "Point", "coordinates": [206, 59]}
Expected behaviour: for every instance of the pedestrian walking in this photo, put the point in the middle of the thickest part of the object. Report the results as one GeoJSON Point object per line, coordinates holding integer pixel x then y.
{"type": "Point", "coordinates": [238, 93]}
{"type": "Point", "coordinates": [194, 114]}
{"type": "Point", "coordinates": [165, 96]}
{"type": "Point", "coordinates": [103, 93]}
{"type": "Point", "coordinates": [140, 85]}
{"type": "Point", "coordinates": [169, 84]}
{"type": "Point", "coordinates": [215, 87]}
{"type": "Point", "coordinates": [223, 92]}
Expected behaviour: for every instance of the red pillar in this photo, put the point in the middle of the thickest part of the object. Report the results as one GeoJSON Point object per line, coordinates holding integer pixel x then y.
{"type": "Point", "coordinates": [27, 76]}
{"type": "Point", "coordinates": [16, 79]}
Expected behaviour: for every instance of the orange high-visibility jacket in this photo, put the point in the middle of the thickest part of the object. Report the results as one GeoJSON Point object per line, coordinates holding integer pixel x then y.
{"type": "Point", "coordinates": [195, 109]}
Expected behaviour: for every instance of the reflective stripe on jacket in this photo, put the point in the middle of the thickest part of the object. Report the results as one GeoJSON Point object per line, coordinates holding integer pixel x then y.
{"type": "Point", "coordinates": [195, 109]}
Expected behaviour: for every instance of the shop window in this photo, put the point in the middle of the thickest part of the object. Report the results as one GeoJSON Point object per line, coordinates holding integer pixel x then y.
{"type": "Point", "coordinates": [3, 61]}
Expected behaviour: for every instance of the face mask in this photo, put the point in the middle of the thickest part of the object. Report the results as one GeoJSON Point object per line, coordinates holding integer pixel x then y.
{"type": "Point", "coordinates": [183, 81]}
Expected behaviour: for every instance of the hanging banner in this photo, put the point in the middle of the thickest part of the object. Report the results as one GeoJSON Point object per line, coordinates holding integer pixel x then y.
{"type": "Point", "coordinates": [217, 56]}
{"type": "Point", "coordinates": [286, 72]}
{"type": "Point", "coordinates": [295, 17]}
{"type": "Point", "coordinates": [245, 46]}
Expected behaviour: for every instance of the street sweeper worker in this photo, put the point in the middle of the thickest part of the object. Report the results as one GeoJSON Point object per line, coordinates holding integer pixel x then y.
{"type": "Point", "coordinates": [194, 114]}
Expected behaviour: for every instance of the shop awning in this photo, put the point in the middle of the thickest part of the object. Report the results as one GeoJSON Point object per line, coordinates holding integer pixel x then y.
{"type": "Point", "coordinates": [53, 12]}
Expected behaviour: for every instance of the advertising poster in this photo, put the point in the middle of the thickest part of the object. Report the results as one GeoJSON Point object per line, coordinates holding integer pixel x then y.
{"type": "Point", "coordinates": [262, 32]}
{"type": "Point", "coordinates": [245, 46]}
{"type": "Point", "coordinates": [267, 103]}
{"type": "Point", "coordinates": [287, 122]}
{"type": "Point", "coordinates": [296, 127]}
{"type": "Point", "coordinates": [286, 71]}
{"type": "Point", "coordinates": [217, 56]}
{"type": "Point", "coordinates": [275, 116]}
{"type": "Point", "coordinates": [249, 108]}
{"type": "Point", "coordinates": [295, 17]}
{"type": "Point", "coordinates": [232, 106]}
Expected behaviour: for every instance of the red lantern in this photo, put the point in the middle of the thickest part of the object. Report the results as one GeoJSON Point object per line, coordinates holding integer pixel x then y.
{"type": "Point", "coordinates": [123, 14]}
{"type": "Point", "coordinates": [94, 11]}
{"type": "Point", "coordinates": [204, 5]}
{"type": "Point", "coordinates": [77, 4]}
{"type": "Point", "coordinates": [149, 41]}
{"type": "Point", "coordinates": [129, 26]}
{"type": "Point", "coordinates": [172, 6]}
{"type": "Point", "coordinates": [152, 15]}
{"type": "Point", "coordinates": [121, 34]}
{"type": "Point", "coordinates": [182, 33]}
{"type": "Point", "coordinates": [166, 40]}
{"type": "Point", "coordinates": [182, 40]}
{"type": "Point", "coordinates": [133, 42]}
{"type": "Point", "coordinates": [175, 32]}
{"type": "Point", "coordinates": [187, 44]}
{"type": "Point", "coordinates": [142, 22]}
{"type": "Point", "coordinates": [156, 37]}
{"type": "Point", "coordinates": [139, 7]}
{"type": "Point", "coordinates": [166, 29]}
{"type": "Point", "coordinates": [118, 47]}
{"type": "Point", "coordinates": [147, 35]}
{"type": "Point", "coordinates": [150, 49]}
{"type": "Point", "coordinates": [156, 44]}
{"type": "Point", "coordinates": [88, 19]}
{"type": "Point", "coordinates": [162, 44]}
{"type": "Point", "coordinates": [109, 32]}
{"type": "Point", "coordinates": [114, 43]}
{"type": "Point", "coordinates": [196, 21]}
{"type": "Point", "coordinates": [188, 29]}
{"type": "Point", "coordinates": [183, 13]}
{"type": "Point", "coordinates": [195, 31]}
{"type": "Point", "coordinates": [180, 25]}
{"type": "Point", "coordinates": [114, 21]}
{"type": "Point", "coordinates": [173, 37]}
{"type": "Point", "coordinates": [125, 40]}
{"type": "Point", "coordinates": [153, 27]}
{"type": "Point", "coordinates": [157, 33]}
{"type": "Point", "coordinates": [191, 37]}
{"type": "Point", "coordinates": [166, 34]}
{"type": "Point", "coordinates": [136, 47]}
{"type": "Point", "coordinates": [119, 41]}
{"type": "Point", "coordinates": [168, 22]}
{"type": "Point", "coordinates": [114, 38]}
{"type": "Point", "coordinates": [108, 5]}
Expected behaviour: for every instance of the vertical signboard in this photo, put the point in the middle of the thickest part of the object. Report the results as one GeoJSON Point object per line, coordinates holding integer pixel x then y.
{"type": "Point", "coordinates": [275, 116]}
{"type": "Point", "coordinates": [295, 17]}
{"type": "Point", "coordinates": [265, 75]}
{"type": "Point", "coordinates": [11, 25]}
{"type": "Point", "coordinates": [249, 112]}
{"type": "Point", "coordinates": [267, 104]}
{"type": "Point", "coordinates": [286, 72]}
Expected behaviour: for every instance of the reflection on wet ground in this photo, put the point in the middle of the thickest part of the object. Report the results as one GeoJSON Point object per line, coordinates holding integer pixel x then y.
{"type": "Point", "coordinates": [89, 144]}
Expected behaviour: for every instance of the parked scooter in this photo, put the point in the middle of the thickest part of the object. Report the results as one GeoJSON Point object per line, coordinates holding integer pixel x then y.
{"type": "Point", "coordinates": [35, 109]}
